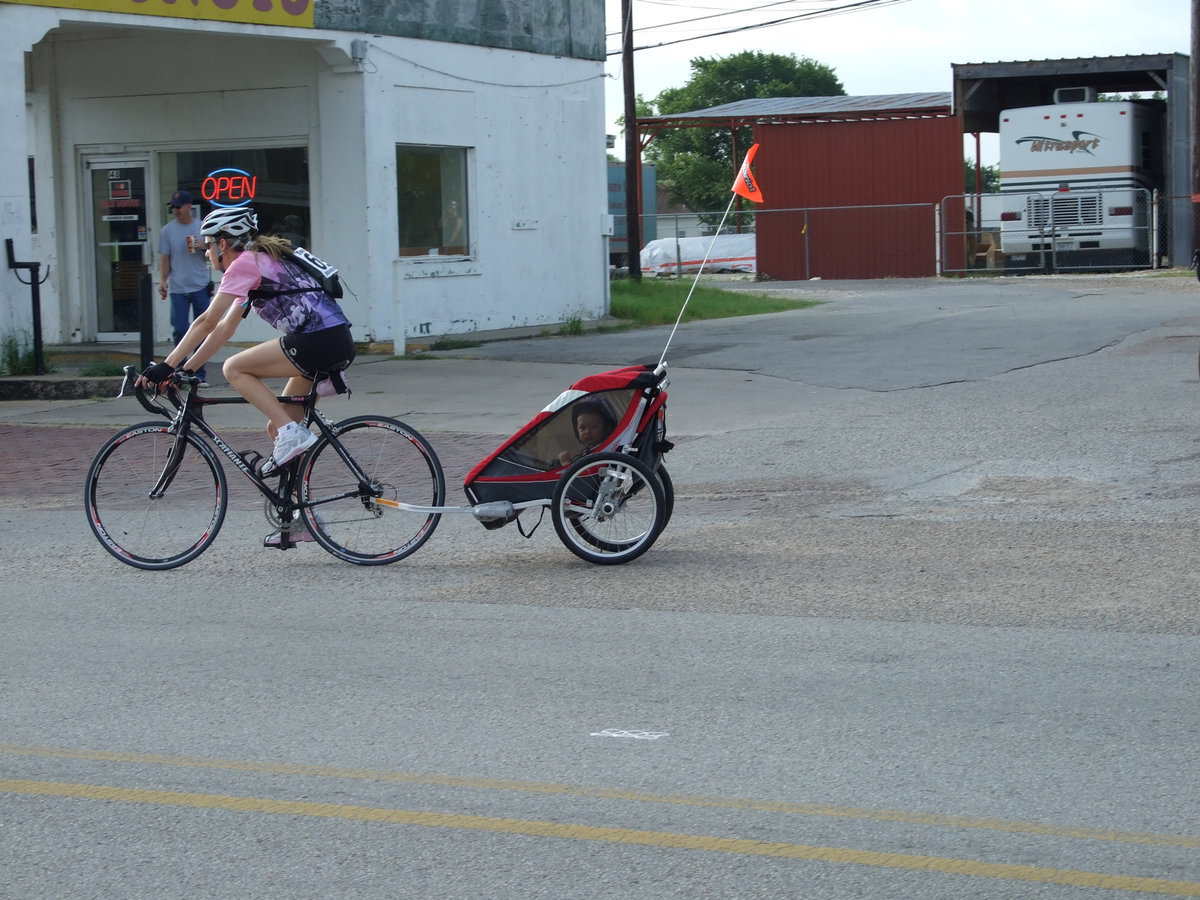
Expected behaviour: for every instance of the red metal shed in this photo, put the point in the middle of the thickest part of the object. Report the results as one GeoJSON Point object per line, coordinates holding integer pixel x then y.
{"type": "Point", "coordinates": [851, 184]}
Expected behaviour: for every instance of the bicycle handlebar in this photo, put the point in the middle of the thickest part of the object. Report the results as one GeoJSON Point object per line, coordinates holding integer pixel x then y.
{"type": "Point", "coordinates": [130, 380]}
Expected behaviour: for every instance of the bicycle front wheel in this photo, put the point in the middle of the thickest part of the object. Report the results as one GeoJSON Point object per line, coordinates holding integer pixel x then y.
{"type": "Point", "coordinates": [149, 507]}
{"type": "Point", "coordinates": [358, 521]}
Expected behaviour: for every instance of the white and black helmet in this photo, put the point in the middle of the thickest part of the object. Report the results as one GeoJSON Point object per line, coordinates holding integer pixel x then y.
{"type": "Point", "coordinates": [238, 224]}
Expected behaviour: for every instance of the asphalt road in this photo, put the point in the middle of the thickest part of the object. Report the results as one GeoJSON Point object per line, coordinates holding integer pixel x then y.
{"type": "Point", "coordinates": [924, 624]}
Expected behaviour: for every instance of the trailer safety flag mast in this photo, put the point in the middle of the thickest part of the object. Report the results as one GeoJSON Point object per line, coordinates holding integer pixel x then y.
{"type": "Point", "coordinates": [743, 186]}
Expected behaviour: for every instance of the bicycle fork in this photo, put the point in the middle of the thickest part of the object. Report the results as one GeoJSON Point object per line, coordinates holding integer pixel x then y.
{"type": "Point", "coordinates": [171, 467]}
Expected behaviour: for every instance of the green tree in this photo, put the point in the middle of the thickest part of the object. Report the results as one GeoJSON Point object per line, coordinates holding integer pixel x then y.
{"type": "Point", "coordinates": [991, 178]}
{"type": "Point", "coordinates": [1134, 95]}
{"type": "Point", "coordinates": [696, 164]}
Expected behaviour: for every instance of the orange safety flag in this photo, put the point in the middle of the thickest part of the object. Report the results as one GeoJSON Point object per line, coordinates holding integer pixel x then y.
{"type": "Point", "coordinates": [745, 185]}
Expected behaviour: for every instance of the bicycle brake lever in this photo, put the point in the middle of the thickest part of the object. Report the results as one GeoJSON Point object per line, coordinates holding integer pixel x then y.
{"type": "Point", "coordinates": [127, 381]}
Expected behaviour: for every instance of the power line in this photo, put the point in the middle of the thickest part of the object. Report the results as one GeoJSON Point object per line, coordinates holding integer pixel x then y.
{"type": "Point", "coordinates": [716, 15]}
{"type": "Point", "coordinates": [813, 14]}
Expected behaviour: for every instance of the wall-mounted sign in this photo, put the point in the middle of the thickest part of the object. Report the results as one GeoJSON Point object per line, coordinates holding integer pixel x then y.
{"type": "Point", "coordinates": [229, 187]}
{"type": "Point", "coordinates": [298, 13]}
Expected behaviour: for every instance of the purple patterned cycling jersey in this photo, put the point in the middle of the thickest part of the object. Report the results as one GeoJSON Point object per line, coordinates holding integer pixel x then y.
{"type": "Point", "coordinates": [285, 295]}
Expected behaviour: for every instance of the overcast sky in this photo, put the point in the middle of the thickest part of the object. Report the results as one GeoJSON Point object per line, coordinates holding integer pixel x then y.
{"type": "Point", "coordinates": [899, 47]}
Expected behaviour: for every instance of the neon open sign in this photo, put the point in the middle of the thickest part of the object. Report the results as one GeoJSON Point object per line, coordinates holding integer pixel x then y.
{"type": "Point", "coordinates": [229, 187]}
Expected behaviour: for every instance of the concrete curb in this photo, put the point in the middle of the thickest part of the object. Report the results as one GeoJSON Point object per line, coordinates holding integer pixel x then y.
{"type": "Point", "coordinates": [58, 387]}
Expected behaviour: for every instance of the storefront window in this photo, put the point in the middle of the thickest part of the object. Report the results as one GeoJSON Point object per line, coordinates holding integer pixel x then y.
{"type": "Point", "coordinates": [274, 181]}
{"type": "Point", "coordinates": [431, 184]}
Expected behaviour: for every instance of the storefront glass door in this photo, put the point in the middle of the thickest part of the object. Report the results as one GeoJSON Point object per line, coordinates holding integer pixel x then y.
{"type": "Point", "coordinates": [121, 238]}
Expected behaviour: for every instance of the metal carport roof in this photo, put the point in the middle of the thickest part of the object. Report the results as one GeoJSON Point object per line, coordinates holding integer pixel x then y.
{"type": "Point", "coordinates": [982, 90]}
{"type": "Point", "coordinates": [785, 110]}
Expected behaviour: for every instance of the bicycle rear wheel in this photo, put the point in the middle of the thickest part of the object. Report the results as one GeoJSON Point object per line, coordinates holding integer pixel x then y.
{"type": "Point", "coordinates": [346, 517]}
{"type": "Point", "coordinates": [163, 531]}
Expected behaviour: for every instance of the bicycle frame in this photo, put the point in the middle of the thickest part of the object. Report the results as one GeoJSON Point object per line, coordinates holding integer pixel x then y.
{"type": "Point", "coordinates": [189, 415]}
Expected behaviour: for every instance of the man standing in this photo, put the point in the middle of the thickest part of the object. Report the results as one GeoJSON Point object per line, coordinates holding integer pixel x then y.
{"type": "Point", "coordinates": [182, 264]}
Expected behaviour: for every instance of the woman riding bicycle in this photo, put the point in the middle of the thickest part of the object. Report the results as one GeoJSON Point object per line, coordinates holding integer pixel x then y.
{"type": "Point", "coordinates": [258, 272]}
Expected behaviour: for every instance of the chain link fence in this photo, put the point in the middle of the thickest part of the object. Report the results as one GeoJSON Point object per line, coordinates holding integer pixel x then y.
{"type": "Point", "coordinates": [1054, 231]}
{"type": "Point", "coordinates": [978, 234]}
{"type": "Point", "coordinates": [885, 241]}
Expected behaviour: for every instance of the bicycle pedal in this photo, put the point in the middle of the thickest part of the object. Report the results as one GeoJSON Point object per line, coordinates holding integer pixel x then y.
{"type": "Point", "coordinates": [278, 541]}
{"type": "Point", "coordinates": [251, 458]}
{"type": "Point", "coordinates": [269, 467]}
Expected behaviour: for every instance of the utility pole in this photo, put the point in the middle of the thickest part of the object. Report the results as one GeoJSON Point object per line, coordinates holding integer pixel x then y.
{"type": "Point", "coordinates": [633, 161]}
{"type": "Point", "coordinates": [1194, 128]}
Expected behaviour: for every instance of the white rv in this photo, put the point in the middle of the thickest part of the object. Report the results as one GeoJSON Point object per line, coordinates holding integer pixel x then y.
{"type": "Point", "coordinates": [1078, 180]}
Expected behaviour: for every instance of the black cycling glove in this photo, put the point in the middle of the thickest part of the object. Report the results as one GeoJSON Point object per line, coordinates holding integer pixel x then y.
{"type": "Point", "coordinates": [157, 373]}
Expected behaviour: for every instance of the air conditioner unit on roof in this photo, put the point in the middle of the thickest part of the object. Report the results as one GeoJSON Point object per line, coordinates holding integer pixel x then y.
{"type": "Point", "coordinates": [1075, 95]}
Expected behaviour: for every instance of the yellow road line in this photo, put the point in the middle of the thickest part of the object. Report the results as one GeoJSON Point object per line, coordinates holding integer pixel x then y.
{"type": "Point", "coordinates": [495, 784]}
{"type": "Point", "coordinates": [661, 839]}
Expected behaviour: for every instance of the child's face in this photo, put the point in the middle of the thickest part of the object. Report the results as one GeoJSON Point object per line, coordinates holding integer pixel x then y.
{"type": "Point", "coordinates": [590, 429]}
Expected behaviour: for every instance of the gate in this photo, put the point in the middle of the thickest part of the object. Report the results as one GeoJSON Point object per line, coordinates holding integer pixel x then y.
{"type": "Point", "coordinates": [1051, 231]}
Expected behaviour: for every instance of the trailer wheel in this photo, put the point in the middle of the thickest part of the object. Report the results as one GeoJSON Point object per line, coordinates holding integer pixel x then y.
{"type": "Point", "coordinates": [608, 508]}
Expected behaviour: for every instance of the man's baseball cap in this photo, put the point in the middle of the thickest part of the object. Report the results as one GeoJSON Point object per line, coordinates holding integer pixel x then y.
{"type": "Point", "coordinates": [181, 198]}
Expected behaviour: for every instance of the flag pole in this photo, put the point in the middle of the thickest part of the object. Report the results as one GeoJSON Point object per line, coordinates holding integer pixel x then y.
{"type": "Point", "coordinates": [743, 185]}
{"type": "Point", "coordinates": [696, 280]}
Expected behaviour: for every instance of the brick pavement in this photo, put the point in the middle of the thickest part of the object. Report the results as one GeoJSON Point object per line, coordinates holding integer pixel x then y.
{"type": "Point", "coordinates": [46, 464]}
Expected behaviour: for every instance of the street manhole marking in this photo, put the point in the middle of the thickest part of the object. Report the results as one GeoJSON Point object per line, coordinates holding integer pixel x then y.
{"type": "Point", "coordinates": [634, 735]}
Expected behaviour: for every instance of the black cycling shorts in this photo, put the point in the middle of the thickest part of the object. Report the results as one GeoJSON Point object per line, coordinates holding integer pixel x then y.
{"type": "Point", "coordinates": [327, 350]}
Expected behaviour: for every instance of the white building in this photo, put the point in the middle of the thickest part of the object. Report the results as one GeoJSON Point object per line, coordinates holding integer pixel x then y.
{"type": "Point", "coordinates": [364, 124]}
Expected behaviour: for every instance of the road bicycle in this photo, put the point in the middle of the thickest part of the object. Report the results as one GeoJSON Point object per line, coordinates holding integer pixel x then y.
{"type": "Point", "coordinates": [156, 493]}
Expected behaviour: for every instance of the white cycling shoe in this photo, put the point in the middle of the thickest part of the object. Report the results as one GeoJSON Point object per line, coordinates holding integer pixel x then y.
{"type": "Point", "coordinates": [292, 440]}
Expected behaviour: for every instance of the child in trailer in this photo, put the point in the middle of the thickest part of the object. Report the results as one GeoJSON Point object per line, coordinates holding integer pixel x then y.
{"type": "Point", "coordinates": [593, 424]}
